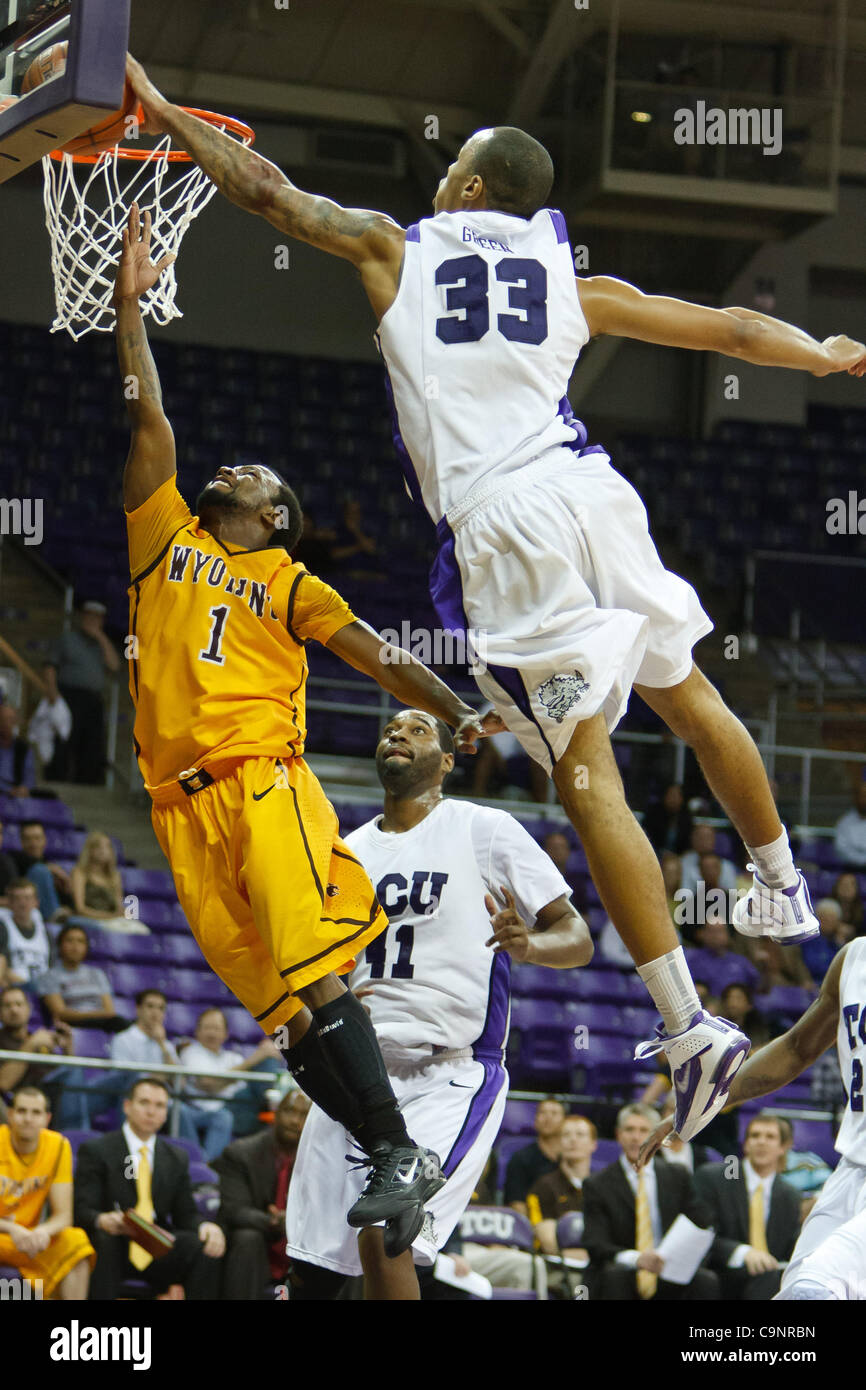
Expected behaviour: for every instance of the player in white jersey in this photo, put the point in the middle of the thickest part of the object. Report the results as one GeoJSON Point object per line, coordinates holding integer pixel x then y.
{"type": "Point", "coordinates": [829, 1259]}
{"type": "Point", "coordinates": [466, 890]}
{"type": "Point", "coordinates": [545, 552]}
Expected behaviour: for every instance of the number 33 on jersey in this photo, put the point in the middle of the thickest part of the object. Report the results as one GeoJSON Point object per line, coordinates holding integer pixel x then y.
{"type": "Point", "coordinates": [218, 628]}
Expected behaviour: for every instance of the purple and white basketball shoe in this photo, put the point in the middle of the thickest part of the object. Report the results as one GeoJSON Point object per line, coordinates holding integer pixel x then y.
{"type": "Point", "coordinates": [704, 1059]}
{"type": "Point", "coordinates": [783, 914]}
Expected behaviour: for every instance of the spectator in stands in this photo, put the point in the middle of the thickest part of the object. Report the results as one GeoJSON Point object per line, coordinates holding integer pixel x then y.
{"type": "Point", "coordinates": [737, 1004]}
{"type": "Point", "coordinates": [850, 835]}
{"type": "Point", "coordinates": [50, 726]}
{"type": "Point", "coordinates": [354, 552]}
{"type": "Point", "coordinates": [626, 1213]}
{"type": "Point", "coordinates": [254, 1182]}
{"type": "Point", "coordinates": [15, 1036]}
{"type": "Point", "coordinates": [17, 764]}
{"type": "Point", "coordinates": [558, 847]}
{"type": "Point", "coordinates": [835, 933]}
{"type": "Point", "coordinates": [562, 1190]}
{"type": "Point", "coordinates": [703, 841]}
{"type": "Point", "coordinates": [714, 961]}
{"type": "Point", "coordinates": [489, 769]}
{"type": "Point", "coordinates": [145, 1042]}
{"type": "Point", "coordinates": [206, 1095]}
{"type": "Point", "coordinates": [135, 1168]}
{"type": "Point", "coordinates": [28, 945]}
{"type": "Point", "coordinates": [8, 871]}
{"type": "Point", "coordinates": [37, 1236]}
{"type": "Point", "coordinates": [756, 1214]}
{"type": "Point", "coordinates": [97, 890]}
{"type": "Point", "coordinates": [668, 823]}
{"type": "Point", "coordinates": [672, 873]}
{"type": "Point", "coordinates": [534, 1160]}
{"type": "Point", "coordinates": [82, 658]}
{"type": "Point", "coordinates": [74, 992]}
{"type": "Point", "coordinates": [778, 966]}
{"type": "Point", "coordinates": [50, 879]}
{"type": "Point", "coordinates": [846, 891]}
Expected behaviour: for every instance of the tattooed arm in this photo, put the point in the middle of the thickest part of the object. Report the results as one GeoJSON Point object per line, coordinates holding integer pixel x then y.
{"type": "Point", "coordinates": [372, 241]}
{"type": "Point", "coordinates": [151, 458]}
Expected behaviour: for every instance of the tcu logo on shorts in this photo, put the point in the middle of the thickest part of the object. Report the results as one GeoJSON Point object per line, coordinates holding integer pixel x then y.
{"type": "Point", "coordinates": [559, 694]}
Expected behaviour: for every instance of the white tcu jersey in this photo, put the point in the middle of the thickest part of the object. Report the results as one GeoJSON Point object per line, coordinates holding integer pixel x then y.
{"type": "Point", "coordinates": [851, 1046]}
{"type": "Point", "coordinates": [480, 344]}
{"type": "Point", "coordinates": [435, 983]}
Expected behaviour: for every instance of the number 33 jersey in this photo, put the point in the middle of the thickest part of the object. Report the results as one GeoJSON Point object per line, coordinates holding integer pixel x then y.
{"type": "Point", "coordinates": [217, 667]}
{"type": "Point", "coordinates": [433, 981]}
{"type": "Point", "coordinates": [480, 343]}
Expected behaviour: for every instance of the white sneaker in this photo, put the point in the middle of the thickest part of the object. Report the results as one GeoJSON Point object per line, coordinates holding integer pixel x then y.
{"type": "Point", "coordinates": [703, 1059]}
{"type": "Point", "coordinates": [783, 914]}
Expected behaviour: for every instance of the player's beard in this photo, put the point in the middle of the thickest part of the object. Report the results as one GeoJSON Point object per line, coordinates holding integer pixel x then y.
{"type": "Point", "coordinates": [213, 500]}
{"type": "Point", "coordinates": [404, 776]}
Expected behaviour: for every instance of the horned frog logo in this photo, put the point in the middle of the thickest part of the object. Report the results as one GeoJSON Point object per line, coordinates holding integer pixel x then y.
{"type": "Point", "coordinates": [561, 693]}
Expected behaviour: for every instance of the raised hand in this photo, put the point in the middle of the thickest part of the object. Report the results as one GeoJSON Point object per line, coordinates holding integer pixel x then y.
{"type": "Point", "coordinates": [153, 102]}
{"type": "Point", "coordinates": [135, 272]}
{"type": "Point", "coordinates": [510, 932]}
{"type": "Point", "coordinates": [844, 355]}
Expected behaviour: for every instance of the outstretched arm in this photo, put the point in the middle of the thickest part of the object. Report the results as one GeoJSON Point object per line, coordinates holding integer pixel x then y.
{"type": "Point", "coordinates": [617, 308]}
{"type": "Point", "coordinates": [398, 672]}
{"type": "Point", "coordinates": [372, 241]}
{"type": "Point", "coordinates": [151, 459]}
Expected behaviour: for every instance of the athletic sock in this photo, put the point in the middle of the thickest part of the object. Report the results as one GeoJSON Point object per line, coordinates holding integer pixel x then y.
{"type": "Point", "coordinates": [669, 981]}
{"type": "Point", "coordinates": [774, 862]}
{"type": "Point", "coordinates": [349, 1043]}
{"type": "Point", "coordinates": [312, 1070]}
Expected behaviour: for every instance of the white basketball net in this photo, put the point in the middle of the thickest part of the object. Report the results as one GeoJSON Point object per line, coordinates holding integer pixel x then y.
{"type": "Point", "coordinates": [86, 209]}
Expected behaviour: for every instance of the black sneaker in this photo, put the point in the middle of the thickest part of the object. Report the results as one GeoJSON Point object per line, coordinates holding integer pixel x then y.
{"type": "Point", "coordinates": [401, 1230]}
{"type": "Point", "coordinates": [402, 1178]}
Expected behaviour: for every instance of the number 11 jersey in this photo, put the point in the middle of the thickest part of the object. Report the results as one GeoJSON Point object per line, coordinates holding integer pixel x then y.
{"type": "Point", "coordinates": [479, 344]}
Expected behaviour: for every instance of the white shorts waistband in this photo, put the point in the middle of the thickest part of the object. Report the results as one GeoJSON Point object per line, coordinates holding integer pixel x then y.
{"type": "Point", "coordinates": [547, 464]}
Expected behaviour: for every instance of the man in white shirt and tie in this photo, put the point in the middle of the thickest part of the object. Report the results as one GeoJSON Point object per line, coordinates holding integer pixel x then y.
{"type": "Point", "coordinates": [627, 1213]}
{"type": "Point", "coordinates": [756, 1214]}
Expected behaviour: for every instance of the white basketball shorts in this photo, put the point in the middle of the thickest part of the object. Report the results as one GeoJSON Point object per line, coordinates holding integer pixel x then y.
{"type": "Point", "coordinates": [552, 572]}
{"type": "Point", "coordinates": [452, 1103]}
{"type": "Point", "coordinates": [831, 1250]}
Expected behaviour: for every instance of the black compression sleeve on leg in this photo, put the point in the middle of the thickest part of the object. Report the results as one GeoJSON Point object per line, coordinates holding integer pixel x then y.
{"type": "Point", "coordinates": [309, 1065]}
{"type": "Point", "coordinates": [346, 1035]}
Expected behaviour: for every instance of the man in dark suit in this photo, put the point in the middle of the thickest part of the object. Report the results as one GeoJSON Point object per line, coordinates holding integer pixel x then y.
{"type": "Point", "coordinates": [625, 1218]}
{"type": "Point", "coordinates": [132, 1167]}
{"type": "Point", "coordinates": [755, 1212]}
{"type": "Point", "coordinates": [254, 1181]}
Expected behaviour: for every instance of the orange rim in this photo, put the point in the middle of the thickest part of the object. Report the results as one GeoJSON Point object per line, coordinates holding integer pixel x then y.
{"type": "Point", "coordinates": [230, 123]}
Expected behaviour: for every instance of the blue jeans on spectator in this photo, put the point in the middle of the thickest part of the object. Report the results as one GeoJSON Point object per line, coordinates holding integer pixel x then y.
{"type": "Point", "coordinates": [85, 1093]}
{"type": "Point", "coordinates": [43, 880]}
{"type": "Point", "coordinates": [211, 1129]}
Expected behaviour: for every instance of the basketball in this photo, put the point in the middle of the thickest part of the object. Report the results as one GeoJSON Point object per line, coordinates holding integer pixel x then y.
{"type": "Point", "coordinates": [50, 63]}
{"type": "Point", "coordinates": [103, 136]}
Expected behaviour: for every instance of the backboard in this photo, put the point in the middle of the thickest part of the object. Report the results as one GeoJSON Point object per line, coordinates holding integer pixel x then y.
{"type": "Point", "coordinates": [97, 34]}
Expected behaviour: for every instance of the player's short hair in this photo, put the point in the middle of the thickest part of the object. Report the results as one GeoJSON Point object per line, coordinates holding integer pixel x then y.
{"type": "Point", "coordinates": [287, 537]}
{"type": "Point", "coordinates": [30, 1090]}
{"type": "Point", "coordinates": [446, 738]}
{"type": "Point", "coordinates": [147, 1081]}
{"type": "Point", "coordinates": [516, 169]}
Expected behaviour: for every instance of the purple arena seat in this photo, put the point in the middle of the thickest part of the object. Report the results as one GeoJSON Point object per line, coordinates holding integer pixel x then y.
{"type": "Point", "coordinates": [497, 1226]}
{"type": "Point", "coordinates": [124, 950]}
{"type": "Point", "coordinates": [542, 983]}
{"type": "Point", "coordinates": [199, 1172]}
{"type": "Point", "coordinates": [54, 815]}
{"type": "Point", "coordinates": [607, 1151]}
{"type": "Point", "coordinates": [242, 1028]}
{"type": "Point", "coordinates": [816, 1136]}
{"type": "Point", "coordinates": [569, 1230]}
{"type": "Point", "coordinates": [198, 986]}
{"type": "Point", "coordinates": [597, 1018]}
{"type": "Point", "coordinates": [519, 1117]}
{"type": "Point", "coordinates": [129, 980]}
{"type": "Point", "coordinates": [514, 1296]}
{"type": "Point", "coordinates": [157, 914]}
{"type": "Point", "coordinates": [180, 1019]}
{"type": "Point", "coordinates": [77, 1137]}
{"type": "Point", "coordinates": [506, 1145]}
{"type": "Point", "coordinates": [789, 1001]}
{"type": "Point", "coordinates": [207, 1200]}
{"type": "Point", "coordinates": [190, 1147]}
{"type": "Point", "coordinates": [182, 951]}
{"type": "Point", "coordinates": [150, 883]}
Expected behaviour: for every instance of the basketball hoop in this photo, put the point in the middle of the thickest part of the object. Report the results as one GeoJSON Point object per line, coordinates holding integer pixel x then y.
{"type": "Point", "coordinates": [87, 201]}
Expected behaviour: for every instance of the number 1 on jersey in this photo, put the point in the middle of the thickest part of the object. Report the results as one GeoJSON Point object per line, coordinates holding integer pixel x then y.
{"type": "Point", "coordinates": [213, 652]}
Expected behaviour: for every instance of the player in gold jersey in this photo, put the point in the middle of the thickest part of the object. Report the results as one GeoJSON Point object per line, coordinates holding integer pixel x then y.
{"type": "Point", "coordinates": [219, 618]}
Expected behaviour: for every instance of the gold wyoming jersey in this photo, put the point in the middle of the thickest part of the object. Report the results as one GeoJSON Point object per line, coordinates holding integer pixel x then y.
{"type": "Point", "coordinates": [217, 667]}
